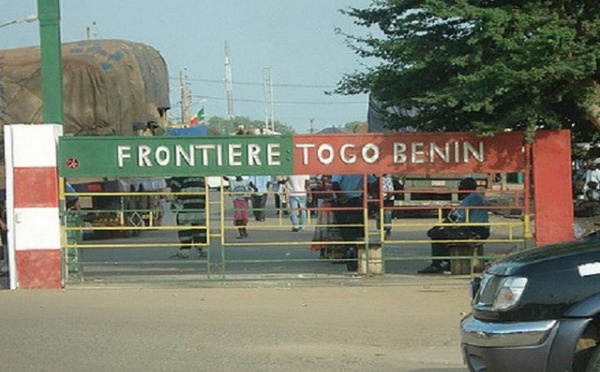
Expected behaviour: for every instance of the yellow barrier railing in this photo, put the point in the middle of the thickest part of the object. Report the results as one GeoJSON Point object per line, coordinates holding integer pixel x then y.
{"type": "Point", "coordinates": [405, 243]}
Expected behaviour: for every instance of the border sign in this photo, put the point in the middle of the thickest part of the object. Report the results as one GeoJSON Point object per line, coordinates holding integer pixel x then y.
{"type": "Point", "coordinates": [405, 153]}
{"type": "Point", "coordinates": [408, 153]}
{"type": "Point", "coordinates": [174, 156]}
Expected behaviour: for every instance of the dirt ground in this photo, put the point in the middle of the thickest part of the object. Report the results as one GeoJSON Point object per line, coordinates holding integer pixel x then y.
{"type": "Point", "coordinates": [406, 324]}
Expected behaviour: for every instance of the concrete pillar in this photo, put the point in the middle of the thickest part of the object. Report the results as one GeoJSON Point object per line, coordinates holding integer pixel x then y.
{"type": "Point", "coordinates": [374, 264]}
{"type": "Point", "coordinates": [553, 195]}
{"type": "Point", "coordinates": [32, 205]}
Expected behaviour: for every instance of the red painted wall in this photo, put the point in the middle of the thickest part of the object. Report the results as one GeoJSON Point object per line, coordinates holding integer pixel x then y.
{"type": "Point", "coordinates": [552, 187]}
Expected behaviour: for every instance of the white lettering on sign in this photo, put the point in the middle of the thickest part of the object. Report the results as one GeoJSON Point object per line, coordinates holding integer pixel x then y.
{"type": "Point", "coordinates": [162, 155]}
{"type": "Point", "coordinates": [253, 152]}
{"type": "Point", "coordinates": [348, 159]}
{"type": "Point", "coordinates": [417, 153]}
{"type": "Point", "coordinates": [402, 153]}
{"type": "Point", "coordinates": [399, 155]}
{"type": "Point", "coordinates": [235, 154]}
{"type": "Point", "coordinates": [273, 154]}
{"type": "Point", "coordinates": [123, 152]}
{"type": "Point", "coordinates": [347, 153]}
{"type": "Point", "coordinates": [144, 156]}
{"type": "Point", "coordinates": [443, 153]}
{"type": "Point", "coordinates": [202, 154]}
{"type": "Point", "coordinates": [370, 153]}
{"type": "Point", "coordinates": [220, 155]}
{"type": "Point", "coordinates": [470, 150]}
{"type": "Point", "coordinates": [182, 154]}
{"type": "Point", "coordinates": [304, 147]}
{"type": "Point", "coordinates": [325, 154]}
{"type": "Point", "coordinates": [457, 152]}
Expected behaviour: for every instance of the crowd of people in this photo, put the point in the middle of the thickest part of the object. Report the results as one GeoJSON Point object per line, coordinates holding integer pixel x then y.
{"type": "Point", "coordinates": [337, 203]}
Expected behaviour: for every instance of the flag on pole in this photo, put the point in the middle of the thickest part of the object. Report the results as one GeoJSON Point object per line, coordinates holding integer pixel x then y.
{"type": "Point", "coordinates": [198, 118]}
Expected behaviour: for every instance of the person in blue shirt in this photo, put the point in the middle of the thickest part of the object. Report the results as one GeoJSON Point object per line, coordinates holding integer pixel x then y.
{"type": "Point", "coordinates": [349, 195]}
{"type": "Point", "coordinates": [471, 210]}
{"type": "Point", "coordinates": [260, 186]}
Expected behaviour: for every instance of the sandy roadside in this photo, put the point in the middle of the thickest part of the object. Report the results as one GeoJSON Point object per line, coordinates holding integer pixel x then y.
{"type": "Point", "coordinates": [393, 327]}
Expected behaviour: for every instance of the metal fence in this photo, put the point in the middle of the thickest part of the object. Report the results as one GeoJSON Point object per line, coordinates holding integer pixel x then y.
{"type": "Point", "coordinates": [134, 242]}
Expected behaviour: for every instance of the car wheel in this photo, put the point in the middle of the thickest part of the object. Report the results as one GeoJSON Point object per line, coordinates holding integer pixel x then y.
{"type": "Point", "coordinates": [594, 362]}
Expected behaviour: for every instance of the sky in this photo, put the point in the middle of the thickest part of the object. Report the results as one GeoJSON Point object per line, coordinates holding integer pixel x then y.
{"type": "Point", "coordinates": [294, 39]}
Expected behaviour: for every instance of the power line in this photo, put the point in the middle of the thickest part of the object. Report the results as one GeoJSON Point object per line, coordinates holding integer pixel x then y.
{"type": "Point", "coordinates": [215, 81]}
{"type": "Point", "coordinates": [282, 102]}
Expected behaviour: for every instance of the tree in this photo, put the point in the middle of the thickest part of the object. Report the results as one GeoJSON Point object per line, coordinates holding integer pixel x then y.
{"type": "Point", "coordinates": [481, 65]}
{"type": "Point", "coordinates": [352, 125]}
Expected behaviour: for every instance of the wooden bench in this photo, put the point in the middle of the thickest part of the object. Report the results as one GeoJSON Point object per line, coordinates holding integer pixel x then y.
{"type": "Point", "coordinates": [462, 266]}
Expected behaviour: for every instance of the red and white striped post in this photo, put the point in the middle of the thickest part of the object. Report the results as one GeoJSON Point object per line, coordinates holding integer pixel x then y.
{"type": "Point", "coordinates": [33, 218]}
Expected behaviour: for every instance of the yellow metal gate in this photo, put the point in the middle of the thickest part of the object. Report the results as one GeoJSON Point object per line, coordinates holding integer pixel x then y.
{"type": "Point", "coordinates": [134, 242]}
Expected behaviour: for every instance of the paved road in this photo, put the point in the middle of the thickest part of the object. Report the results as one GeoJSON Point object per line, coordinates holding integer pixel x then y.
{"type": "Point", "coordinates": [402, 325]}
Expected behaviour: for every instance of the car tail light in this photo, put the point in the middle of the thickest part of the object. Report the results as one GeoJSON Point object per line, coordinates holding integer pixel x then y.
{"type": "Point", "coordinates": [94, 187]}
{"type": "Point", "coordinates": [509, 292]}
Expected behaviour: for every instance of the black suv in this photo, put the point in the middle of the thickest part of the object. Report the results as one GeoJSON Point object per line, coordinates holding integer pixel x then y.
{"type": "Point", "coordinates": [537, 311]}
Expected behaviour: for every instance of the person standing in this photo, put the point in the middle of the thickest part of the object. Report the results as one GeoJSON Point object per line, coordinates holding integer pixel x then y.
{"type": "Point", "coordinates": [348, 201]}
{"type": "Point", "coordinates": [387, 193]}
{"type": "Point", "coordinates": [240, 188]}
{"type": "Point", "coordinates": [278, 188]}
{"type": "Point", "coordinates": [260, 186]}
{"type": "Point", "coordinates": [191, 211]}
{"type": "Point", "coordinates": [74, 236]}
{"type": "Point", "coordinates": [298, 188]}
{"type": "Point", "coordinates": [472, 209]}
{"type": "Point", "coordinates": [321, 196]}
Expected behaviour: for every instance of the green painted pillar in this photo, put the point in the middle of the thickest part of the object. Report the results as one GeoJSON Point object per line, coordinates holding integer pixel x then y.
{"type": "Point", "coordinates": [52, 87]}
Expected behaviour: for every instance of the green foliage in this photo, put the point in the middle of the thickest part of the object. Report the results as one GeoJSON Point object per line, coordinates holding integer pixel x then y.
{"type": "Point", "coordinates": [223, 126]}
{"type": "Point", "coordinates": [351, 126]}
{"type": "Point", "coordinates": [480, 65]}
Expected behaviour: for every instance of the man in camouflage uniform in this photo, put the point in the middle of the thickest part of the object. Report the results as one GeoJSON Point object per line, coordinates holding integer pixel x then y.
{"type": "Point", "coordinates": [191, 211]}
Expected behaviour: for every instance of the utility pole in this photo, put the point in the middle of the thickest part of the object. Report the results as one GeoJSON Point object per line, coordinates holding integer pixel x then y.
{"type": "Point", "coordinates": [228, 82]}
{"type": "Point", "coordinates": [185, 97]}
{"type": "Point", "coordinates": [88, 32]}
{"type": "Point", "coordinates": [268, 96]}
{"type": "Point", "coordinates": [51, 61]}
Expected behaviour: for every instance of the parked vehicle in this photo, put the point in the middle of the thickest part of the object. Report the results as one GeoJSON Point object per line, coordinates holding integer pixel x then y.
{"type": "Point", "coordinates": [537, 311]}
{"type": "Point", "coordinates": [110, 86]}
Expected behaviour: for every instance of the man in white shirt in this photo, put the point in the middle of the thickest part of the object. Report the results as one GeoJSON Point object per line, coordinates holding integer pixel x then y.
{"type": "Point", "coordinates": [297, 188]}
{"type": "Point", "coordinates": [592, 175]}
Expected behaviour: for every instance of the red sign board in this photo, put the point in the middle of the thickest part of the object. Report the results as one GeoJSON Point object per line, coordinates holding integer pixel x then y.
{"type": "Point", "coordinates": [408, 153]}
